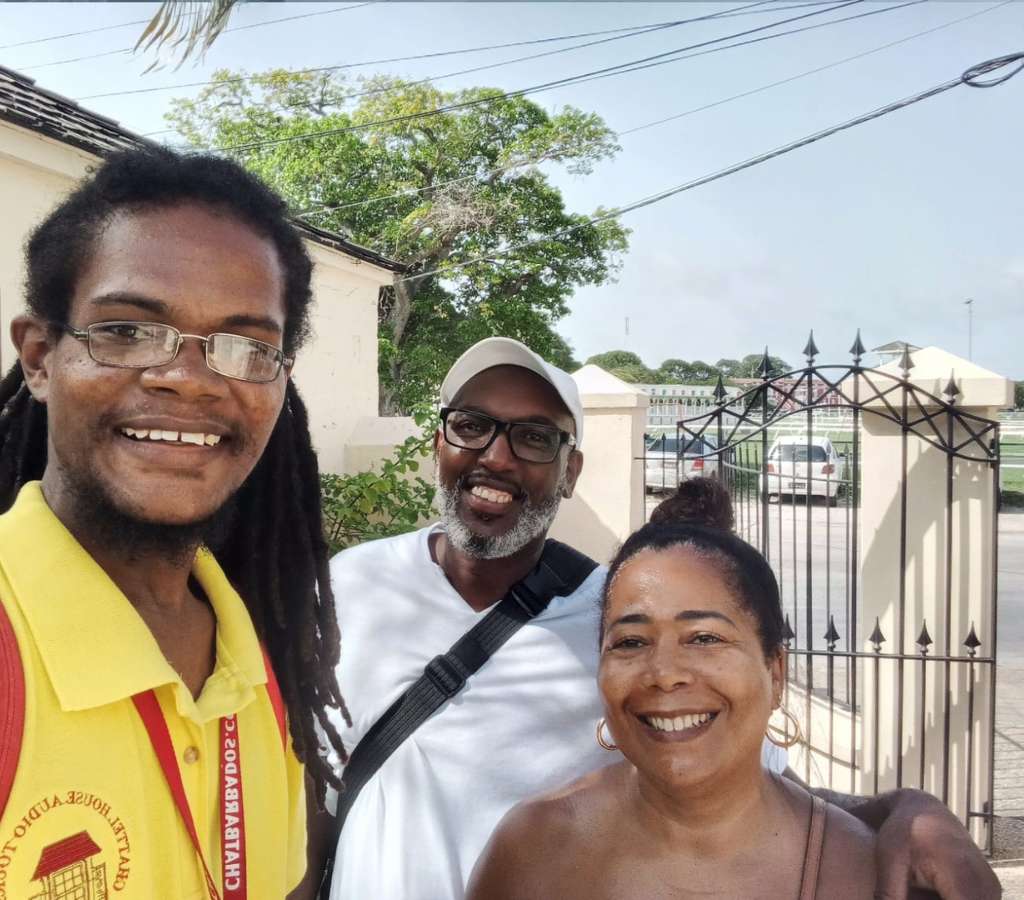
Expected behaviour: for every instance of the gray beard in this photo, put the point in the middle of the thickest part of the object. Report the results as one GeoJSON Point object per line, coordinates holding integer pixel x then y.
{"type": "Point", "coordinates": [533, 522]}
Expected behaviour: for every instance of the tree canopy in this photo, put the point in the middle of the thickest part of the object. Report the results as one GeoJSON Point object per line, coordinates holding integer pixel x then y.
{"type": "Point", "coordinates": [629, 367]}
{"type": "Point", "coordinates": [461, 197]}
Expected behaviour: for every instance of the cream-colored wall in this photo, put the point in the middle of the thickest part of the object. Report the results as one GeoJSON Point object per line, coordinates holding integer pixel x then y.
{"type": "Point", "coordinates": [336, 372]}
{"type": "Point", "coordinates": [608, 504]}
{"type": "Point", "coordinates": [35, 173]}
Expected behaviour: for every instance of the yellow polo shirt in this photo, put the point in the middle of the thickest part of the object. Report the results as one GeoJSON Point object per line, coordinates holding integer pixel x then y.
{"type": "Point", "coordinates": [90, 814]}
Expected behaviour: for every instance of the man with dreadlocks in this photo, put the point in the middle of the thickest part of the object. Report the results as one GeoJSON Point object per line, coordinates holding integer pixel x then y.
{"type": "Point", "coordinates": [445, 745]}
{"type": "Point", "coordinates": [155, 459]}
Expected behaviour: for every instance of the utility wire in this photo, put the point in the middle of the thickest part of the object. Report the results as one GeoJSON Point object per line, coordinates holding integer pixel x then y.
{"type": "Point", "coordinates": [971, 77]}
{"type": "Point", "coordinates": [815, 71]}
{"type": "Point", "coordinates": [440, 53]}
{"type": "Point", "coordinates": [369, 92]}
{"type": "Point", "coordinates": [323, 210]}
{"type": "Point", "coordinates": [386, 89]}
{"type": "Point", "coordinates": [573, 79]}
{"type": "Point", "coordinates": [323, 12]}
{"type": "Point", "coordinates": [71, 34]}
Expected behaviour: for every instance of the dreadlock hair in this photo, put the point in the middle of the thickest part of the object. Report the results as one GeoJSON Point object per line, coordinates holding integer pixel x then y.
{"type": "Point", "coordinates": [275, 555]}
{"type": "Point", "coordinates": [699, 517]}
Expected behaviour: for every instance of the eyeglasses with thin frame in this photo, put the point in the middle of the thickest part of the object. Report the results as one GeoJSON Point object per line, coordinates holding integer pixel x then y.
{"type": "Point", "coordinates": [529, 441]}
{"type": "Point", "coordinates": [144, 345]}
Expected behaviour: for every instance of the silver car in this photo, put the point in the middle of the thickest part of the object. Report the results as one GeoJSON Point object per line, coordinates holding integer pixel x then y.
{"type": "Point", "coordinates": [666, 465]}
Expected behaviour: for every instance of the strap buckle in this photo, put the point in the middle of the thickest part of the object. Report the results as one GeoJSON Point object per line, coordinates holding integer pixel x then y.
{"type": "Point", "coordinates": [444, 675]}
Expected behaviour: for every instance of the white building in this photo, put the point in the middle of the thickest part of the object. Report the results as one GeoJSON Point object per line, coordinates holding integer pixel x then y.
{"type": "Point", "coordinates": [48, 143]}
{"type": "Point", "coordinates": [670, 403]}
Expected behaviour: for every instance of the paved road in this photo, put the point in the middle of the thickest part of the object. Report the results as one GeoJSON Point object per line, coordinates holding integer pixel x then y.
{"type": "Point", "coordinates": [1010, 673]}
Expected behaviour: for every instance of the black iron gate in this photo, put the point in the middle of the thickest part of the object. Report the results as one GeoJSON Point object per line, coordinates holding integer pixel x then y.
{"type": "Point", "coordinates": [877, 709]}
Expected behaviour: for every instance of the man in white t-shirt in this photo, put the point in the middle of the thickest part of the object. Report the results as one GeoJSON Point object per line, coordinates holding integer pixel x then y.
{"type": "Point", "coordinates": [507, 452]}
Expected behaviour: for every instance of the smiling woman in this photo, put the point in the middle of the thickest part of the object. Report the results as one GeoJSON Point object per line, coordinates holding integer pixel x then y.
{"type": "Point", "coordinates": [690, 672]}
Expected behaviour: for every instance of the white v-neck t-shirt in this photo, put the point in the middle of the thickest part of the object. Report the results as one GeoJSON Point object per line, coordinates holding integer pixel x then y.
{"type": "Point", "coordinates": [525, 723]}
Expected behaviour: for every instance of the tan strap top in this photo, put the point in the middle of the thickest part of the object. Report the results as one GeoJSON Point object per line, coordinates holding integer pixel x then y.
{"type": "Point", "coordinates": [812, 855]}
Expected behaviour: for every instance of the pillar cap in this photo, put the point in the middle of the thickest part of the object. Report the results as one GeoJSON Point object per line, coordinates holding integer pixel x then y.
{"type": "Point", "coordinates": [979, 387]}
{"type": "Point", "coordinates": [601, 389]}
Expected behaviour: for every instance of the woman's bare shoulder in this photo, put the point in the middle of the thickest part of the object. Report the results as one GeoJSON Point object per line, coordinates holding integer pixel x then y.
{"type": "Point", "coordinates": [528, 850]}
{"type": "Point", "coordinates": [848, 853]}
{"type": "Point", "coordinates": [847, 857]}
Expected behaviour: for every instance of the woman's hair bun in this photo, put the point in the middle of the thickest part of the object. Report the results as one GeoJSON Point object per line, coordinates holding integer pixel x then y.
{"type": "Point", "coordinates": [697, 501]}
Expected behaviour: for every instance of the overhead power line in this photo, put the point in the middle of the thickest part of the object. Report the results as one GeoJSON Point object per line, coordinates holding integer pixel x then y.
{"type": "Point", "coordinates": [620, 69]}
{"type": "Point", "coordinates": [326, 209]}
{"type": "Point", "coordinates": [369, 92]}
{"type": "Point", "coordinates": [814, 71]}
{"type": "Point", "coordinates": [972, 77]}
{"type": "Point", "coordinates": [572, 79]}
{"type": "Point", "coordinates": [459, 52]}
{"type": "Point", "coordinates": [71, 34]}
{"type": "Point", "coordinates": [322, 12]}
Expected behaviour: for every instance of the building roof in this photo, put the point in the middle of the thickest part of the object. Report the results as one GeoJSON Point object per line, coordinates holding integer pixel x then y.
{"type": "Point", "coordinates": [24, 103]}
{"type": "Point", "coordinates": [895, 347]}
{"type": "Point", "coordinates": [65, 853]}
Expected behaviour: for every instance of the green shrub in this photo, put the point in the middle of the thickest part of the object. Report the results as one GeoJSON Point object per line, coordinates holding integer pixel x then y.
{"type": "Point", "coordinates": [385, 502]}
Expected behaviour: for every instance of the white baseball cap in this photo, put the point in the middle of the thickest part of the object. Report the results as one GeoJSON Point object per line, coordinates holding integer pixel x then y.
{"type": "Point", "coordinates": [502, 351]}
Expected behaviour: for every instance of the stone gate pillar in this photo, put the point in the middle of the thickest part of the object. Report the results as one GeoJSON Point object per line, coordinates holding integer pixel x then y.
{"type": "Point", "coordinates": [609, 501]}
{"type": "Point", "coordinates": [927, 533]}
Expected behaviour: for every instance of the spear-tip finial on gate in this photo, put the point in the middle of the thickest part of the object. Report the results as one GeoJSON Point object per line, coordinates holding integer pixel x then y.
{"type": "Point", "coordinates": [971, 642]}
{"type": "Point", "coordinates": [951, 390]}
{"type": "Point", "coordinates": [831, 636]}
{"type": "Point", "coordinates": [857, 350]}
{"type": "Point", "coordinates": [766, 365]}
{"type": "Point", "coordinates": [720, 390]}
{"type": "Point", "coordinates": [877, 638]}
{"type": "Point", "coordinates": [811, 350]}
{"type": "Point", "coordinates": [906, 362]}
{"type": "Point", "coordinates": [787, 632]}
{"type": "Point", "coordinates": [924, 639]}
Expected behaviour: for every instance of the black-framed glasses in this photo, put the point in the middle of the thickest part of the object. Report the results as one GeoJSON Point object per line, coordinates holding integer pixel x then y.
{"type": "Point", "coordinates": [529, 441]}
{"type": "Point", "coordinates": [143, 345]}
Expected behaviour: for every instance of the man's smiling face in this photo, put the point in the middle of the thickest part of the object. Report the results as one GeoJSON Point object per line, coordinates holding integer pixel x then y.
{"type": "Point", "coordinates": [493, 503]}
{"type": "Point", "coordinates": [201, 272]}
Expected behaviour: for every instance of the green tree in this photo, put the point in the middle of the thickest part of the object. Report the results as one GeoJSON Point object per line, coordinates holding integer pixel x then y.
{"type": "Point", "coordinates": [702, 372]}
{"type": "Point", "coordinates": [730, 368]}
{"type": "Point", "coordinates": [674, 371]}
{"type": "Point", "coordinates": [625, 365]}
{"type": "Point", "coordinates": [1018, 395]}
{"type": "Point", "coordinates": [462, 188]}
{"type": "Point", "coordinates": [633, 374]}
{"type": "Point", "coordinates": [614, 359]}
{"type": "Point", "coordinates": [750, 366]}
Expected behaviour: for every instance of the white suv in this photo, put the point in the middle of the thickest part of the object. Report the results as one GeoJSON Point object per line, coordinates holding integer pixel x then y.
{"type": "Point", "coordinates": [789, 472]}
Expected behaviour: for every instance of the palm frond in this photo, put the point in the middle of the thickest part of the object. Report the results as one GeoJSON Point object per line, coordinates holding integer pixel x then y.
{"type": "Point", "coordinates": [186, 27]}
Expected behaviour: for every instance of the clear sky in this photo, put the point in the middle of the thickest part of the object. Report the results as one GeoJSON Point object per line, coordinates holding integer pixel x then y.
{"type": "Point", "coordinates": [888, 227]}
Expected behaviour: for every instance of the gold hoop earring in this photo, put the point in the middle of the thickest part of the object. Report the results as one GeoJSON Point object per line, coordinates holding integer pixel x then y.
{"type": "Point", "coordinates": [600, 737]}
{"type": "Point", "coordinates": [780, 737]}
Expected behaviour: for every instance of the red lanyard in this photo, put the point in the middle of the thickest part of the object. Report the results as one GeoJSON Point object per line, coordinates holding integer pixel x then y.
{"type": "Point", "coordinates": [232, 814]}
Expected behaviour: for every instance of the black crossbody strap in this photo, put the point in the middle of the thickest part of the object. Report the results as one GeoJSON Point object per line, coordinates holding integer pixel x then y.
{"type": "Point", "coordinates": [560, 572]}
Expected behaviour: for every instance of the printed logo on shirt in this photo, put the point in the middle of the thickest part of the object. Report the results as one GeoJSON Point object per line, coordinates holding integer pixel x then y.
{"type": "Point", "coordinates": [66, 846]}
